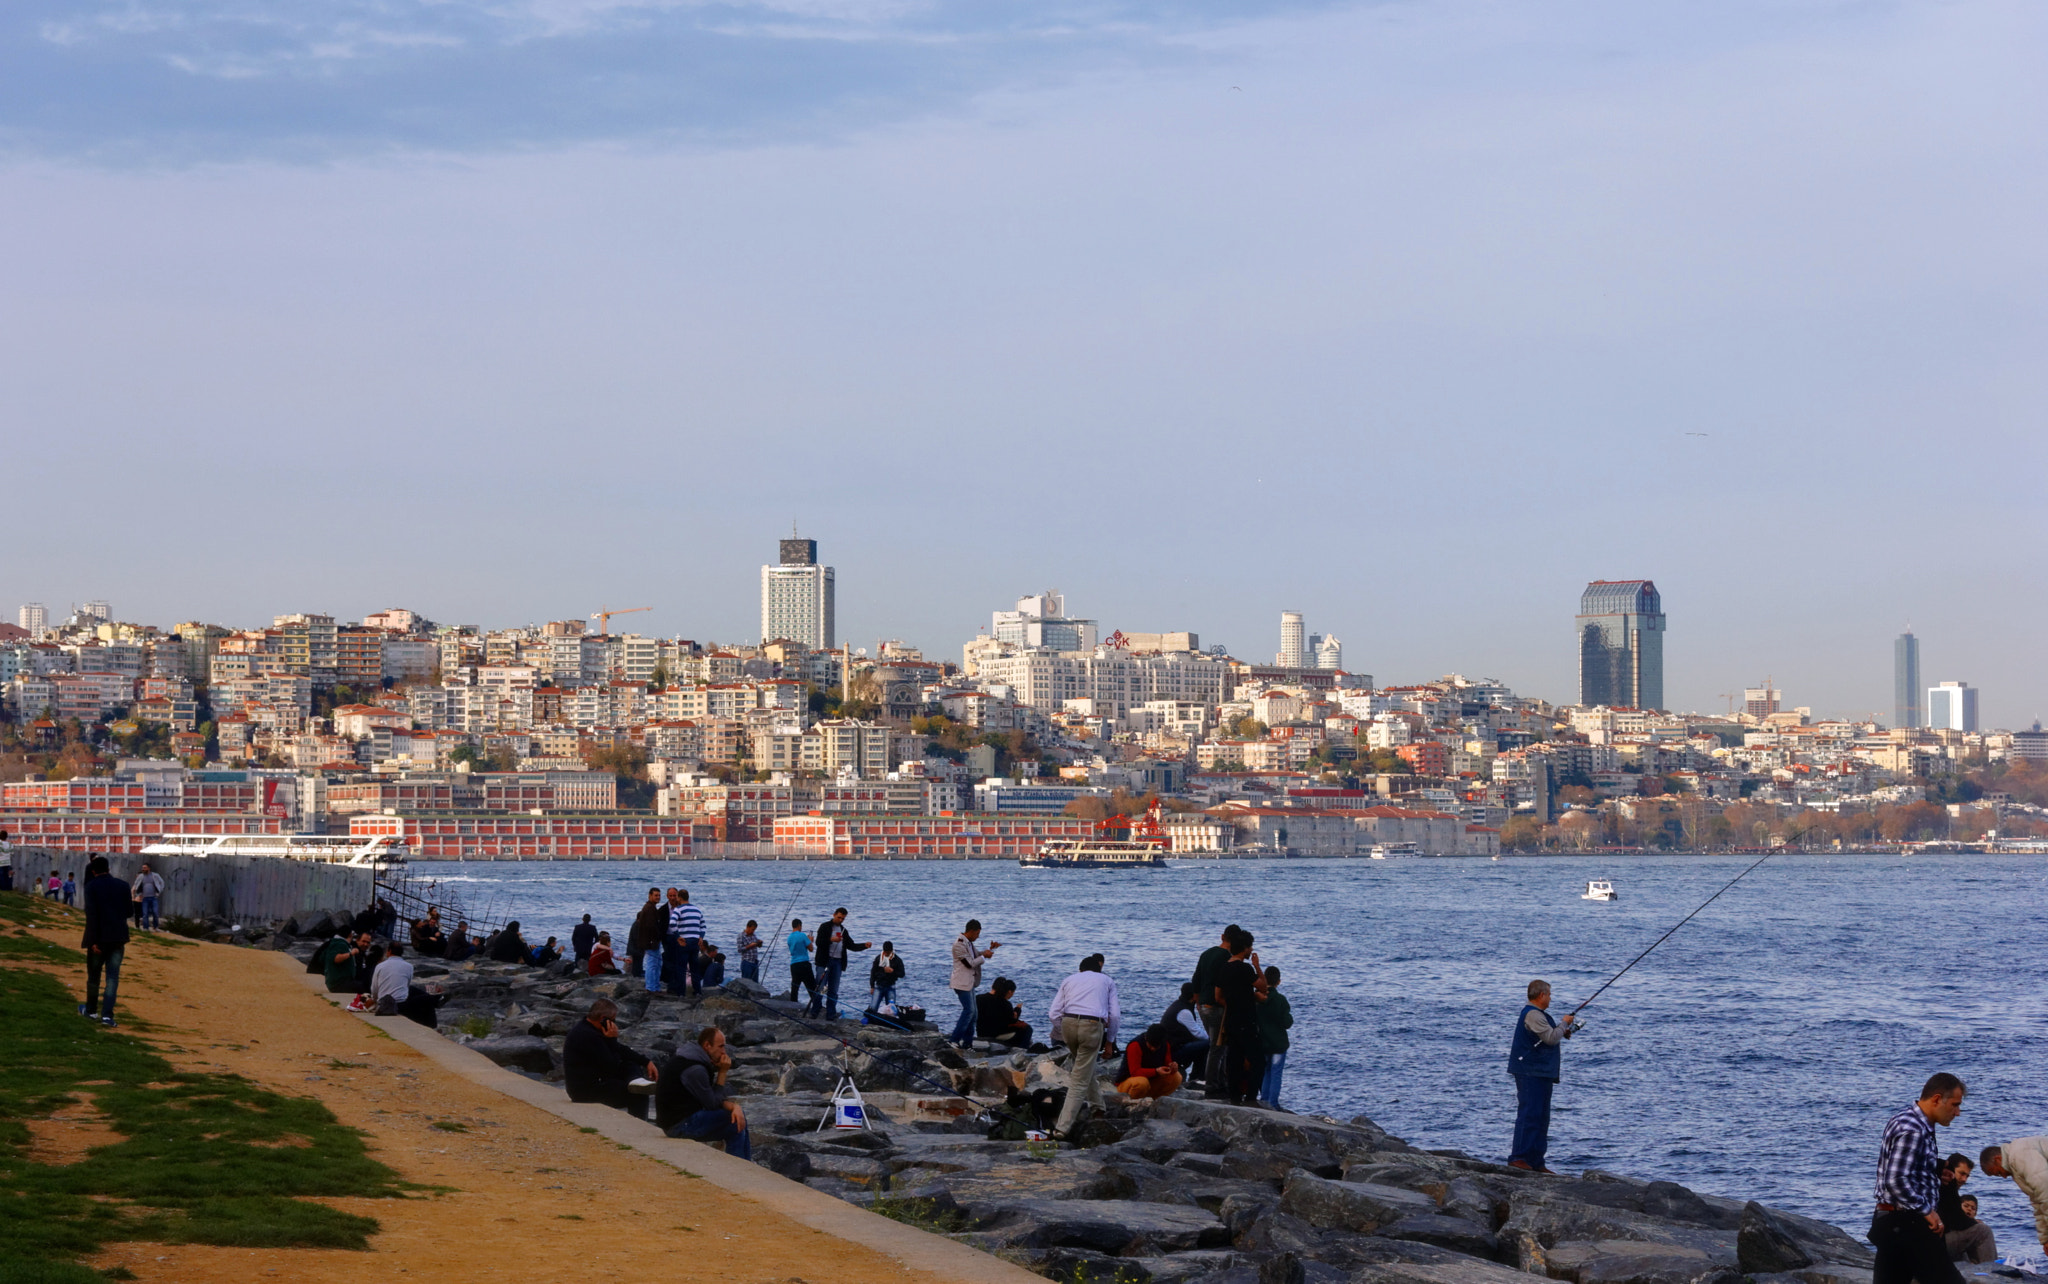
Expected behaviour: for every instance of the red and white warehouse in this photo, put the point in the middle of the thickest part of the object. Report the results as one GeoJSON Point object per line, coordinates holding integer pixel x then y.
{"type": "Point", "coordinates": [555, 836]}
{"type": "Point", "coordinates": [125, 831]}
{"type": "Point", "coordinates": [967, 836]}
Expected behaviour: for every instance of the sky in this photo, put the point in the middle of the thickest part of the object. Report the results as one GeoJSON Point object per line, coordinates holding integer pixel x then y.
{"type": "Point", "coordinates": [1413, 317]}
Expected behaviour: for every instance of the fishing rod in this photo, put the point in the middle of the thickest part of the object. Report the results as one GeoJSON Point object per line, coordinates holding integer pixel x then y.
{"type": "Point", "coordinates": [786, 910]}
{"type": "Point", "coordinates": [1689, 918]}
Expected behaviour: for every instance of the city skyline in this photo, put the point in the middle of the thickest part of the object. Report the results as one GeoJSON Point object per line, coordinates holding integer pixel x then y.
{"type": "Point", "coordinates": [1080, 279]}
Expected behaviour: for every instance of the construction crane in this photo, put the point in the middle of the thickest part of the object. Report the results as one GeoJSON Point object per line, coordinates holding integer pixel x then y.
{"type": "Point", "coordinates": [604, 617]}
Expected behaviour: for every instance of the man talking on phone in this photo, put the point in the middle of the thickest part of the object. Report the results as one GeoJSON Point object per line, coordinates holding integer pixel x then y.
{"type": "Point", "coordinates": [596, 1067]}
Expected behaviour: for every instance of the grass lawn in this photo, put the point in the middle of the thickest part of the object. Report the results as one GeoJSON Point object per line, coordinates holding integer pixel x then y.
{"type": "Point", "coordinates": [186, 1158]}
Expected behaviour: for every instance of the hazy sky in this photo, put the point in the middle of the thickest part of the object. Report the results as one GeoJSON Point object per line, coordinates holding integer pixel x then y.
{"type": "Point", "coordinates": [1402, 315]}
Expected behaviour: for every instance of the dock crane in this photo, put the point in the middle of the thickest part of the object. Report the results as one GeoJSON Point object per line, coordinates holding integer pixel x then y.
{"type": "Point", "coordinates": [604, 617]}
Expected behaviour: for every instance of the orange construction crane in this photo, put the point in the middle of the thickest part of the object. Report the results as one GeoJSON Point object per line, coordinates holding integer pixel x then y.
{"type": "Point", "coordinates": [604, 617]}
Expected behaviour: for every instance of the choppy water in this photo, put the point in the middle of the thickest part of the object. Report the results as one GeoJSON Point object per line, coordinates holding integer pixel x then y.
{"type": "Point", "coordinates": [1756, 1054]}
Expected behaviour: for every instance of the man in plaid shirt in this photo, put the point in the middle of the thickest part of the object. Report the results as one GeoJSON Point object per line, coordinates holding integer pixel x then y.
{"type": "Point", "coordinates": [1907, 1228]}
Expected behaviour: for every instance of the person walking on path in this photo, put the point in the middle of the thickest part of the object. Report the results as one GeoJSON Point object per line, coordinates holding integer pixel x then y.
{"type": "Point", "coordinates": [1276, 1018]}
{"type": "Point", "coordinates": [1085, 1016]}
{"type": "Point", "coordinates": [70, 890]}
{"type": "Point", "coordinates": [800, 971]}
{"type": "Point", "coordinates": [967, 960]}
{"type": "Point", "coordinates": [686, 933]}
{"type": "Point", "coordinates": [690, 1099]}
{"type": "Point", "coordinates": [106, 936]}
{"type": "Point", "coordinates": [1534, 1058]}
{"type": "Point", "coordinates": [6, 862]}
{"type": "Point", "coordinates": [1214, 1084]}
{"type": "Point", "coordinates": [596, 1067]}
{"type": "Point", "coordinates": [581, 938]}
{"type": "Point", "coordinates": [1906, 1228]}
{"type": "Point", "coordinates": [883, 977]}
{"type": "Point", "coordinates": [643, 941]}
{"type": "Point", "coordinates": [149, 889]}
{"type": "Point", "coordinates": [749, 944]}
{"type": "Point", "coordinates": [54, 888]}
{"type": "Point", "coordinates": [835, 942]}
{"type": "Point", "coordinates": [2026, 1162]}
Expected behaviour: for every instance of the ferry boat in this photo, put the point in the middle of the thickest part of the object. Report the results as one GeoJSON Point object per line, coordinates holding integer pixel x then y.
{"type": "Point", "coordinates": [1387, 851]}
{"type": "Point", "coordinates": [376, 852]}
{"type": "Point", "coordinates": [1599, 889]}
{"type": "Point", "coordinates": [1118, 844]}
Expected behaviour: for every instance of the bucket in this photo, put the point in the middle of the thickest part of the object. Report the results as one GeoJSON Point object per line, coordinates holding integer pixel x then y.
{"type": "Point", "coordinates": [848, 1114]}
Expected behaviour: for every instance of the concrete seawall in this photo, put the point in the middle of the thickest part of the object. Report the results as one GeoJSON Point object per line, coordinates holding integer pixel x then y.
{"type": "Point", "coordinates": [257, 891]}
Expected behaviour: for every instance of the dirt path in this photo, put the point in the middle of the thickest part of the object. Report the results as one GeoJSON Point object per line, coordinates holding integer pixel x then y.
{"type": "Point", "coordinates": [533, 1196]}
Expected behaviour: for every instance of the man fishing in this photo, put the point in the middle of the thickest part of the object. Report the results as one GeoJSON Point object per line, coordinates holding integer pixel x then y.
{"type": "Point", "coordinates": [1907, 1228]}
{"type": "Point", "coordinates": [1533, 1059]}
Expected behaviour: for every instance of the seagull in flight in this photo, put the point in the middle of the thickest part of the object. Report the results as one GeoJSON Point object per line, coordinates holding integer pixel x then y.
{"type": "Point", "coordinates": [1699, 434]}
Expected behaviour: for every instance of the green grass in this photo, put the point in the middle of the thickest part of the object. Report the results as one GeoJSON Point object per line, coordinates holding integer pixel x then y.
{"type": "Point", "coordinates": [476, 1026]}
{"type": "Point", "coordinates": [449, 1125]}
{"type": "Point", "coordinates": [924, 1214]}
{"type": "Point", "coordinates": [193, 1158]}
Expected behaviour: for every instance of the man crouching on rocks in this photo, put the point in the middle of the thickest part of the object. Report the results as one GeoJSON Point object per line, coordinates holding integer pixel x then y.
{"type": "Point", "coordinates": [1533, 1060]}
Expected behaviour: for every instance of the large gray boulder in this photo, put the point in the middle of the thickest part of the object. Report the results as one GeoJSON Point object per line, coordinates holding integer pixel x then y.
{"type": "Point", "coordinates": [1454, 1233]}
{"type": "Point", "coordinates": [1113, 1227]}
{"type": "Point", "coordinates": [517, 1051]}
{"type": "Point", "coordinates": [1765, 1243]}
{"type": "Point", "coordinates": [1360, 1207]}
{"type": "Point", "coordinates": [1623, 1261]}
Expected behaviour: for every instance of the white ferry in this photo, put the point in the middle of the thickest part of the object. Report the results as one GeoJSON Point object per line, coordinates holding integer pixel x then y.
{"type": "Point", "coordinates": [1599, 889]}
{"type": "Point", "coordinates": [1145, 847]}
{"type": "Point", "coordinates": [1388, 851]}
{"type": "Point", "coordinates": [325, 849]}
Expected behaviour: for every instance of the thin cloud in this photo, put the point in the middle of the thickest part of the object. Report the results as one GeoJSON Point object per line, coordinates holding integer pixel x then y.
{"type": "Point", "coordinates": [204, 80]}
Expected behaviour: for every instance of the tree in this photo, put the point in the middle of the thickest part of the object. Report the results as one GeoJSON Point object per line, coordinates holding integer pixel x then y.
{"type": "Point", "coordinates": [1522, 834]}
{"type": "Point", "coordinates": [1248, 729]}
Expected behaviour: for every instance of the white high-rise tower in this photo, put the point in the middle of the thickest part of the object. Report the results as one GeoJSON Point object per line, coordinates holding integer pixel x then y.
{"type": "Point", "coordinates": [1293, 642]}
{"type": "Point", "coordinates": [797, 598]}
{"type": "Point", "coordinates": [36, 619]}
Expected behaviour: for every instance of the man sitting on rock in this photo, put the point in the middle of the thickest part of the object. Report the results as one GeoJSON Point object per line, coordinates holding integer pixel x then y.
{"type": "Point", "coordinates": [1967, 1239]}
{"type": "Point", "coordinates": [392, 989]}
{"type": "Point", "coordinates": [427, 936]}
{"type": "Point", "coordinates": [597, 1067]}
{"type": "Point", "coordinates": [999, 1020]}
{"type": "Point", "coordinates": [690, 1100]}
{"type": "Point", "coordinates": [1149, 1067]}
{"type": "Point", "coordinates": [2026, 1162]}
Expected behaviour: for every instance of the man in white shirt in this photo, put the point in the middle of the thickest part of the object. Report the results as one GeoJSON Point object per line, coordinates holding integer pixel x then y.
{"type": "Point", "coordinates": [1085, 1017]}
{"type": "Point", "coordinates": [391, 982]}
{"type": "Point", "coordinates": [6, 863]}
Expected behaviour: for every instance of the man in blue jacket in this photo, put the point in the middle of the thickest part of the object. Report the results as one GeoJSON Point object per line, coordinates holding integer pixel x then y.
{"type": "Point", "coordinates": [106, 935]}
{"type": "Point", "coordinates": [1533, 1060]}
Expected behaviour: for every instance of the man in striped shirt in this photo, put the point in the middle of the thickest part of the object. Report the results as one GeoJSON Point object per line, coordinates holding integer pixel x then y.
{"type": "Point", "coordinates": [1907, 1226]}
{"type": "Point", "coordinates": [686, 936]}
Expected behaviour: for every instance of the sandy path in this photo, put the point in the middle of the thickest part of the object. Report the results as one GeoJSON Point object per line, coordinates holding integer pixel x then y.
{"type": "Point", "coordinates": [535, 1198]}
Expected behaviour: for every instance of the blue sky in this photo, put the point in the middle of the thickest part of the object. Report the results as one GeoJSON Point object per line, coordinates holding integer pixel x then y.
{"type": "Point", "coordinates": [1402, 315]}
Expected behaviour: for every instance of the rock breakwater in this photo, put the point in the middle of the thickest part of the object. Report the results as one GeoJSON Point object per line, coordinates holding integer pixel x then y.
{"type": "Point", "coordinates": [1176, 1191]}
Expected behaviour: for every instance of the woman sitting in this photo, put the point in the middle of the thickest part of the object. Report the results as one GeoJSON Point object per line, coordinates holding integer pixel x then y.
{"type": "Point", "coordinates": [1149, 1067]}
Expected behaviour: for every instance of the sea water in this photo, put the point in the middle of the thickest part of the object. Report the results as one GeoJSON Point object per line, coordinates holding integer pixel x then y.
{"type": "Point", "coordinates": [1756, 1054]}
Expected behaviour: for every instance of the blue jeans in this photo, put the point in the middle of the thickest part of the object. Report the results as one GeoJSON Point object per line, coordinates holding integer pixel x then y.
{"type": "Point", "coordinates": [830, 985]}
{"type": "Point", "coordinates": [1532, 1120]}
{"type": "Point", "coordinates": [108, 961]}
{"type": "Point", "coordinates": [885, 994]}
{"type": "Point", "coordinates": [149, 919]}
{"type": "Point", "coordinates": [650, 967]}
{"type": "Point", "coordinates": [695, 964]}
{"type": "Point", "coordinates": [715, 1125]}
{"type": "Point", "coordinates": [1269, 1090]}
{"type": "Point", "coordinates": [963, 1029]}
{"type": "Point", "coordinates": [750, 969]}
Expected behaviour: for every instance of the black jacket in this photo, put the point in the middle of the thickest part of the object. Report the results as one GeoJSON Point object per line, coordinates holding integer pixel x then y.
{"type": "Point", "coordinates": [1950, 1205]}
{"type": "Point", "coordinates": [887, 970]}
{"type": "Point", "coordinates": [508, 949]}
{"type": "Point", "coordinates": [823, 937]}
{"type": "Point", "coordinates": [649, 926]}
{"type": "Point", "coordinates": [686, 1087]}
{"type": "Point", "coordinates": [993, 1016]}
{"type": "Point", "coordinates": [581, 938]}
{"type": "Point", "coordinates": [107, 902]}
{"type": "Point", "coordinates": [590, 1057]}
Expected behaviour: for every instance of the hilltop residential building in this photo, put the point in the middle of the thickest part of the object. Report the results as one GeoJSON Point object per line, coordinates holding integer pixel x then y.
{"type": "Point", "coordinates": [797, 597]}
{"type": "Point", "coordinates": [1621, 644]}
{"type": "Point", "coordinates": [1040, 623]}
{"type": "Point", "coordinates": [35, 618]}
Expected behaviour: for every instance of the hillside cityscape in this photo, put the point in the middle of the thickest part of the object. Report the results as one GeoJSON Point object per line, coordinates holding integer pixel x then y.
{"type": "Point", "coordinates": [570, 739]}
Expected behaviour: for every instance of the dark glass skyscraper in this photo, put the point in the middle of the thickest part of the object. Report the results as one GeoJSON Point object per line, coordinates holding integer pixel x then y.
{"type": "Point", "coordinates": [1906, 688]}
{"type": "Point", "coordinates": [1621, 645]}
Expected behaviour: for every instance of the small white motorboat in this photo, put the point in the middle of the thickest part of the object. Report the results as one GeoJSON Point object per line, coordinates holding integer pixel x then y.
{"type": "Point", "coordinates": [1599, 889]}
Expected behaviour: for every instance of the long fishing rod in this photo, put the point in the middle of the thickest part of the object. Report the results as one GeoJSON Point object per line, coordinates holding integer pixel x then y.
{"type": "Point", "coordinates": [786, 910]}
{"type": "Point", "coordinates": [1687, 919]}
